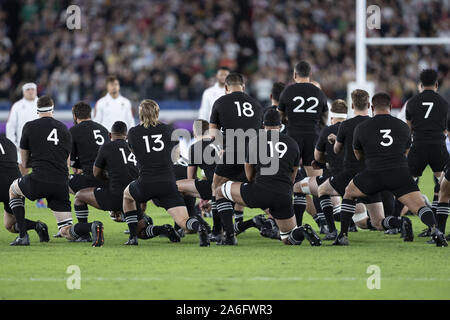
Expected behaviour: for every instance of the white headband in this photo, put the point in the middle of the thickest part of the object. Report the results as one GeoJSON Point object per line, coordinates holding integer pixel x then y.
{"type": "Point", "coordinates": [45, 109]}
{"type": "Point", "coordinates": [338, 115]}
{"type": "Point", "coordinates": [29, 85]}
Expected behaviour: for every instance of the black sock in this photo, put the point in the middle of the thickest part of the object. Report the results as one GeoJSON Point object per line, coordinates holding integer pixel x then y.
{"type": "Point", "coordinates": [190, 205]}
{"type": "Point", "coordinates": [327, 208]}
{"type": "Point", "coordinates": [80, 229]}
{"type": "Point", "coordinates": [241, 226]}
{"type": "Point", "coordinates": [337, 213]}
{"type": "Point", "coordinates": [296, 237]}
{"type": "Point", "coordinates": [82, 213]}
{"type": "Point", "coordinates": [238, 216]}
{"type": "Point", "coordinates": [398, 208]}
{"type": "Point", "coordinates": [426, 216]}
{"type": "Point", "coordinates": [217, 223]}
{"type": "Point", "coordinates": [225, 209]}
{"type": "Point", "coordinates": [131, 219]}
{"type": "Point", "coordinates": [348, 208]}
{"type": "Point", "coordinates": [18, 210]}
{"type": "Point", "coordinates": [388, 203]}
{"type": "Point", "coordinates": [391, 222]}
{"type": "Point", "coordinates": [319, 218]}
{"type": "Point", "coordinates": [442, 212]}
{"type": "Point", "coordinates": [192, 224]}
{"type": "Point", "coordinates": [434, 204]}
{"type": "Point", "coordinates": [153, 231]}
{"type": "Point", "coordinates": [299, 207]}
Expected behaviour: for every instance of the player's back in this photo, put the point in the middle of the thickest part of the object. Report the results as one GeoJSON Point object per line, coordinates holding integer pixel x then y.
{"type": "Point", "coordinates": [384, 140]}
{"type": "Point", "coordinates": [428, 113]}
{"type": "Point", "coordinates": [152, 147]}
{"type": "Point", "coordinates": [303, 103]}
{"type": "Point", "coordinates": [8, 154]}
{"type": "Point", "coordinates": [287, 151]}
{"type": "Point", "coordinates": [197, 152]}
{"type": "Point", "coordinates": [120, 163]}
{"type": "Point", "coordinates": [87, 137]}
{"type": "Point", "coordinates": [345, 136]}
{"type": "Point", "coordinates": [49, 142]}
{"type": "Point", "coordinates": [237, 110]}
{"type": "Point", "coordinates": [334, 161]}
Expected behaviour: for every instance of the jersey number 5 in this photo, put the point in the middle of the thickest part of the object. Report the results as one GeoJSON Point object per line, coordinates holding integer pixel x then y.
{"type": "Point", "coordinates": [53, 136]}
{"type": "Point", "coordinates": [430, 106]}
{"type": "Point", "coordinates": [157, 139]}
{"type": "Point", "coordinates": [386, 136]}
{"type": "Point", "coordinates": [98, 137]}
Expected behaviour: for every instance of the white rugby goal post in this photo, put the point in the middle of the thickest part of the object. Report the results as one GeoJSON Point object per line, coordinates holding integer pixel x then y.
{"type": "Point", "coordinates": [361, 43]}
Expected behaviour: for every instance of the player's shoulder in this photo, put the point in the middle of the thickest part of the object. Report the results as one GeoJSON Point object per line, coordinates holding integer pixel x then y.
{"type": "Point", "coordinates": [6, 142]}
{"type": "Point", "coordinates": [17, 104]}
{"type": "Point", "coordinates": [102, 100]}
{"type": "Point", "coordinates": [125, 100]}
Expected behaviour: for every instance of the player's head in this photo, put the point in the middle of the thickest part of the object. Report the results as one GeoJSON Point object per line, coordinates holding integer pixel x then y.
{"type": "Point", "coordinates": [45, 106]}
{"type": "Point", "coordinates": [200, 127]}
{"type": "Point", "coordinates": [338, 111]}
{"type": "Point", "coordinates": [81, 111]}
{"type": "Point", "coordinates": [302, 70]}
{"type": "Point", "coordinates": [381, 103]}
{"type": "Point", "coordinates": [119, 130]}
{"type": "Point", "coordinates": [149, 113]}
{"type": "Point", "coordinates": [360, 100]}
{"type": "Point", "coordinates": [221, 74]}
{"type": "Point", "coordinates": [272, 119]}
{"type": "Point", "coordinates": [275, 93]}
{"type": "Point", "coordinates": [29, 91]}
{"type": "Point", "coordinates": [112, 85]}
{"type": "Point", "coordinates": [428, 79]}
{"type": "Point", "coordinates": [234, 82]}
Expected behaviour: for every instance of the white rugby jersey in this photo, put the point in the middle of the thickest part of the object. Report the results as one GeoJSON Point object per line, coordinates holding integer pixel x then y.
{"type": "Point", "coordinates": [21, 112]}
{"type": "Point", "coordinates": [109, 110]}
{"type": "Point", "coordinates": [210, 96]}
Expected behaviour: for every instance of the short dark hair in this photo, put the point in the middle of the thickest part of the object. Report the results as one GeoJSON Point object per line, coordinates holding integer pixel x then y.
{"type": "Point", "coordinates": [360, 99]}
{"type": "Point", "coordinates": [272, 118]}
{"type": "Point", "coordinates": [222, 68]}
{"type": "Point", "coordinates": [277, 89]}
{"type": "Point", "coordinates": [234, 79]}
{"type": "Point", "coordinates": [381, 100]}
{"type": "Point", "coordinates": [201, 126]}
{"type": "Point", "coordinates": [82, 110]}
{"type": "Point", "coordinates": [339, 106]}
{"type": "Point", "coordinates": [111, 78]}
{"type": "Point", "coordinates": [303, 69]}
{"type": "Point", "coordinates": [119, 128]}
{"type": "Point", "coordinates": [45, 102]}
{"type": "Point", "coordinates": [428, 77]}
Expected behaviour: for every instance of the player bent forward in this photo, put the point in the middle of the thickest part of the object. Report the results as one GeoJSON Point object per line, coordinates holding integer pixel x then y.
{"type": "Point", "coordinates": [270, 191]}
{"type": "Point", "coordinates": [151, 143]}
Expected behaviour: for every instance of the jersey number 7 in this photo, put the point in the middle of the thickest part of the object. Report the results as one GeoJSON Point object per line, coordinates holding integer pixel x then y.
{"type": "Point", "coordinates": [430, 106]}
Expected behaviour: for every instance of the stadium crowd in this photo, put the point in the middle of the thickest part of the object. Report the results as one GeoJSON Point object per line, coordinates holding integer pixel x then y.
{"type": "Point", "coordinates": [171, 49]}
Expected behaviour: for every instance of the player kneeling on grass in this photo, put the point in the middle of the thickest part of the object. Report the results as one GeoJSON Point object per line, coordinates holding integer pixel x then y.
{"type": "Point", "coordinates": [384, 141]}
{"type": "Point", "coordinates": [151, 143]}
{"type": "Point", "coordinates": [273, 191]}
{"type": "Point", "coordinates": [47, 142]}
{"type": "Point", "coordinates": [9, 171]}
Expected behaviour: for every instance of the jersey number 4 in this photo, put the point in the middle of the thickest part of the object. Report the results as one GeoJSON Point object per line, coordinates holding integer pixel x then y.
{"type": "Point", "coordinates": [53, 137]}
{"type": "Point", "coordinates": [386, 136]}
{"type": "Point", "coordinates": [157, 140]}
{"type": "Point", "coordinates": [311, 109]}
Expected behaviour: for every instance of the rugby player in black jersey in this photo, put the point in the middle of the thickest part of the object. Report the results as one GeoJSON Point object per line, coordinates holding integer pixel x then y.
{"type": "Point", "coordinates": [383, 142]}
{"type": "Point", "coordinates": [151, 143]}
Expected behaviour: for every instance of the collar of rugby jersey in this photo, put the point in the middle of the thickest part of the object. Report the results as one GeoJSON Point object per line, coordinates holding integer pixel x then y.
{"type": "Point", "coordinates": [111, 97]}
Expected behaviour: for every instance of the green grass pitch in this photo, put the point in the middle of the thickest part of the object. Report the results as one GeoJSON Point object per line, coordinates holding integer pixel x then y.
{"type": "Point", "coordinates": [258, 268]}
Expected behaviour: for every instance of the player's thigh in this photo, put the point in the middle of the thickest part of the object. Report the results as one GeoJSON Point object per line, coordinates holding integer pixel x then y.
{"type": "Point", "coordinates": [179, 214]}
{"type": "Point", "coordinates": [399, 182]}
{"type": "Point", "coordinates": [231, 191]}
{"type": "Point", "coordinates": [339, 182]}
{"type": "Point", "coordinates": [444, 192]}
{"type": "Point", "coordinates": [187, 187]}
{"type": "Point", "coordinates": [86, 196]}
{"type": "Point", "coordinates": [376, 213]}
{"type": "Point", "coordinates": [28, 187]}
{"type": "Point", "coordinates": [286, 225]}
{"type": "Point", "coordinates": [438, 158]}
{"type": "Point", "coordinates": [106, 200]}
{"type": "Point", "coordinates": [327, 189]}
{"type": "Point", "coordinates": [203, 189]}
{"type": "Point", "coordinates": [367, 184]}
{"type": "Point", "coordinates": [57, 196]}
{"type": "Point", "coordinates": [417, 160]}
{"type": "Point", "coordinates": [413, 200]}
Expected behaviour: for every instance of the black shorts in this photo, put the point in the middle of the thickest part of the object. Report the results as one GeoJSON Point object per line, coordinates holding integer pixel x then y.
{"type": "Point", "coordinates": [7, 177]}
{"type": "Point", "coordinates": [341, 180]}
{"type": "Point", "coordinates": [301, 174]}
{"type": "Point", "coordinates": [234, 172]}
{"type": "Point", "coordinates": [434, 155]}
{"type": "Point", "coordinates": [204, 188]}
{"type": "Point", "coordinates": [107, 200]}
{"type": "Point", "coordinates": [306, 144]}
{"type": "Point", "coordinates": [83, 181]}
{"type": "Point", "coordinates": [256, 196]}
{"type": "Point", "coordinates": [321, 179]}
{"type": "Point", "coordinates": [57, 194]}
{"type": "Point", "coordinates": [398, 181]}
{"type": "Point", "coordinates": [165, 192]}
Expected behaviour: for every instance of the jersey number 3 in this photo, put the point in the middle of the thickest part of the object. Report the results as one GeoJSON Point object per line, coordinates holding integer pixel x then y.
{"type": "Point", "coordinates": [53, 137]}
{"type": "Point", "coordinates": [386, 136]}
